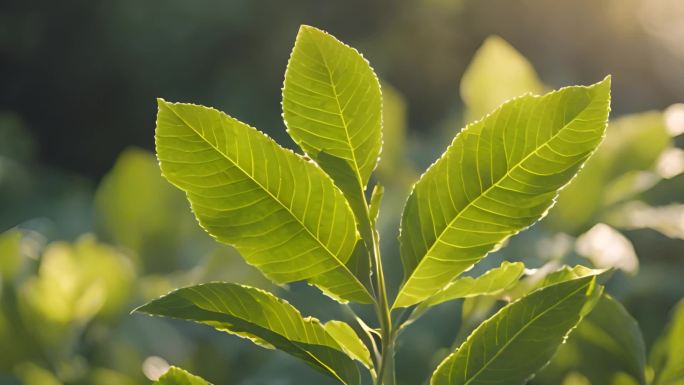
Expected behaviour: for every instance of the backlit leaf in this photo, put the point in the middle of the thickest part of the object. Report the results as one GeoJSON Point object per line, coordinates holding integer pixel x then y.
{"type": "Point", "coordinates": [498, 176]}
{"type": "Point", "coordinates": [261, 317]}
{"type": "Point", "coordinates": [349, 341]}
{"type": "Point", "coordinates": [492, 282]}
{"type": "Point", "coordinates": [332, 102]}
{"type": "Point", "coordinates": [511, 346]}
{"type": "Point", "coordinates": [332, 107]}
{"type": "Point", "coordinates": [280, 211]}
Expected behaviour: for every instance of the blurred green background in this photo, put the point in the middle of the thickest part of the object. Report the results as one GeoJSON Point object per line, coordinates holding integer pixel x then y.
{"type": "Point", "coordinates": [90, 230]}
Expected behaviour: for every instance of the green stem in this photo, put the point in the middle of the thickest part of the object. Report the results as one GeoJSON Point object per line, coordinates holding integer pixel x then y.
{"type": "Point", "coordinates": [386, 370]}
{"type": "Point", "coordinates": [385, 374]}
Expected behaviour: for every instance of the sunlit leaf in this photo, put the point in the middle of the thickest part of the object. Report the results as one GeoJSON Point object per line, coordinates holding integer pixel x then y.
{"type": "Point", "coordinates": [261, 317]}
{"type": "Point", "coordinates": [332, 107]}
{"type": "Point", "coordinates": [511, 346]}
{"type": "Point", "coordinates": [492, 282]}
{"type": "Point", "coordinates": [332, 103]}
{"type": "Point", "coordinates": [177, 376]}
{"type": "Point", "coordinates": [348, 340]}
{"type": "Point", "coordinates": [498, 176]}
{"type": "Point", "coordinates": [497, 73]}
{"type": "Point", "coordinates": [280, 211]}
{"type": "Point", "coordinates": [544, 277]}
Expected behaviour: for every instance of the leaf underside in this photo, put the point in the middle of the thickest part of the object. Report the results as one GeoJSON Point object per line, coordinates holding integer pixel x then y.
{"type": "Point", "coordinates": [261, 317]}
{"type": "Point", "coordinates": [498, 176]}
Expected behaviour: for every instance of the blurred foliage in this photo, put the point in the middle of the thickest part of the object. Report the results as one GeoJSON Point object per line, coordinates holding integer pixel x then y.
{"type": "Point", "coordinates": [75, 67]}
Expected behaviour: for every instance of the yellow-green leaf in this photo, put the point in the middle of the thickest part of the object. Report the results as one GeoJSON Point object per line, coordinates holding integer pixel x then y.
{"type": "Point", "coordinates": [282, 212]}
{"type": "Point", "coordinates": [492, 282]}
{"type": "Point", "coordinates": [332, 102]}
{"type": "Point", "coordinates": [498, 176]}
{"type": "Point", "coordinates": [517, 341]}
{"type": "Point", "coordinates": [349, 341]}
{"type": "Point", "coordinates": [261, 317]}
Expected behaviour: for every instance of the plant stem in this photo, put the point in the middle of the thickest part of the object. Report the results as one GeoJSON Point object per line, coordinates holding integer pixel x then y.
{"type": "Point", "coordinates": [385, 374]}
{"type": "Point", "coordinates": [386, 370]}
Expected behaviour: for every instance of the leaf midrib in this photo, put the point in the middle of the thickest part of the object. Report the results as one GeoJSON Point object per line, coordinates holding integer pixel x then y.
{"type": "Point", "coordinates": [483, 193]}
{"type": "Point", "coordinates": [357, 171]}
{"type": "Point", "coordinates": [517, 334]}
{"type": "Point", "coordinates": [251, 177]}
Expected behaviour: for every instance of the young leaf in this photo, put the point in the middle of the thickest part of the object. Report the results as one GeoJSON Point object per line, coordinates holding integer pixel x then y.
{"type": "Point", "coordinates": [492, 282]}
{"type": "Point", "coordinates": [517, 341]}
{"type": "Point", "coordinates": [261, 317]}
{"type": "Point", "coordinates": [332, 107]}
{"type": "Point", "coordinates": [177, 376]}
{"type": "Point", "coordinates": [332, 102]}
{"type": "Point", "coordinates": [349, 341]}
{"type": "Point", "coordinates": [282, 213]}
{"type": "Point", "coordinates": [498, 176]}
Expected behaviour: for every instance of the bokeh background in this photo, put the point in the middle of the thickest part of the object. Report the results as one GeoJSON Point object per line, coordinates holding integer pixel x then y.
{"type": "Point", "coordinates": [90, 230]}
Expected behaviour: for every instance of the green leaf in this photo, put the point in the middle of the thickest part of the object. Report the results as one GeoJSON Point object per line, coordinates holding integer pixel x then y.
{"type": "Point", "coordinates": [492, 282]}
{"type": "Point", "coordinates": [567, 273]}
{"type": "Point", "coordinates": [543, 278]}
{"type": "Point", "coordinates": [498, 176]}
{"type": "Point", "coordinates": [281, 212]}
{"type": "Point", "coordinates": [518, 340]}
{"type": "Point", "coordinates": [497, 73]}
{"type": "Point", "coordinates": [349, 341]}
{"type": "Point", "coordinates": [332, 107]}
{"type": "Point", "coordinates": [611, 332]}
{"type": "Point", "coordinates": [177, 376]}
{"type": "Point", "coordinates": [261, 317]}
{"type": "Point", "coordinates": [332, 102]}
{"type": "Point", "coordinates": [670, 368]}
